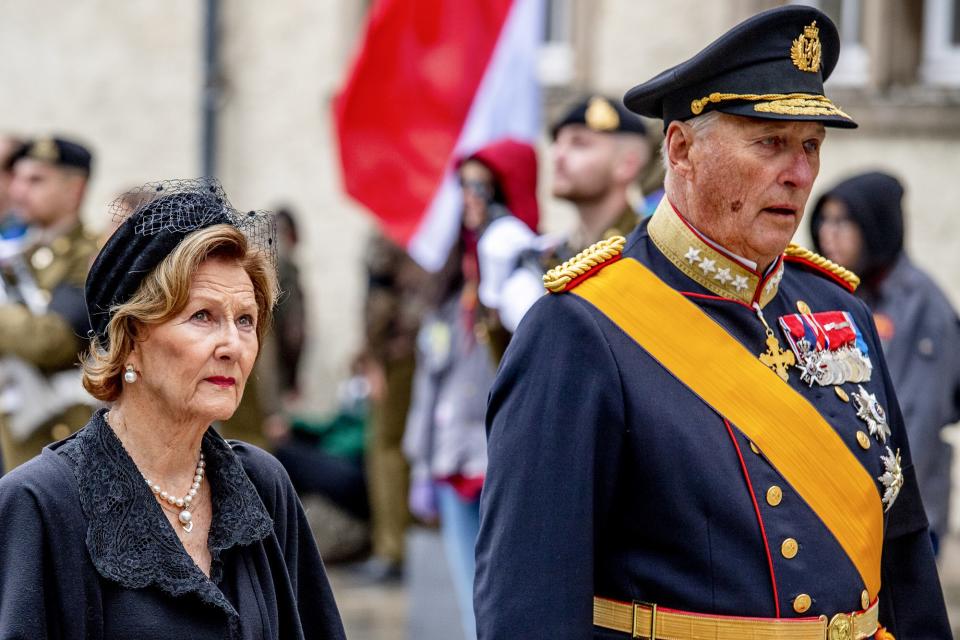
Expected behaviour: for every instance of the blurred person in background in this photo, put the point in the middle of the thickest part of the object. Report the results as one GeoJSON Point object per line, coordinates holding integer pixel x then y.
{"type": "Point", "coordinates": [859, 224]}
{"type": "Point", "coordinates": [445, 438]}
{"type": "Point", "coordinates": [11, 225]}
{"type": "Point", "coordinates": [44, 320]}
{"type": "Point", "coordinates": [600, 151]}
{"type": "Point", "coordinates": [392, 313]}
{"type": "Point", "coordinates": [290, 320]}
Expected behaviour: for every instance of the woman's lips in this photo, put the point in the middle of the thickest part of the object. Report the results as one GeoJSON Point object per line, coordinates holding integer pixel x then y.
{"type": "Point", "coordinates": [221, 381]}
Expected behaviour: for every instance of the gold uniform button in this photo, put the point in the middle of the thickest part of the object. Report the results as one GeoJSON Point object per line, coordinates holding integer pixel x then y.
{"type": "Point", "coordinates": [801, 604]}
{"type": "Point", "coordinates": [774, 495]}
{"type": "Point", "coordinates": [59, 431]}
{"type": "Point", "coordinates": [789, 548]}
{"type": "Point", "coordinates": [803, 307]}
{"type": "Point", "coordinates": [842, 394]}
{"type": "Point", "coordinates": [865, 600]}
{"type": "Point", "coordinates": [754, 448]}
{"type": "Point", "coordinates": [863, 440]}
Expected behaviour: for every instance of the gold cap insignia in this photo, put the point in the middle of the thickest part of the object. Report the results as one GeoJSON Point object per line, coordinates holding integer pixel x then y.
{"type": "Point", "coordinates": [601, 116]}
{"type": "Point", "coordinates": [805, 52]}
{"type": "Point", "coordinates": [44, 149]}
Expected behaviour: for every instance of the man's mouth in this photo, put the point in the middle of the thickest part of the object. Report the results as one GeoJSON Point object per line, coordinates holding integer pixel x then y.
{"type": "Point", "coordinates": [783, 210]}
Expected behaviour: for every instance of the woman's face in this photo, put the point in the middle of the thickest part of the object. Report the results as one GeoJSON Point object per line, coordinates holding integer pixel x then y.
{"type": "Point", "coordinates": [196, 364]}
{"type": "Point", "coordinates": [477, 184]}
{"type": "Point", "coordinates": [840, 237]}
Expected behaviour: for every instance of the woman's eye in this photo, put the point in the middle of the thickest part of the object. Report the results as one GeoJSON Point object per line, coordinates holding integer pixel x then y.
{"type": "Point", "coordinates": [246, 321]}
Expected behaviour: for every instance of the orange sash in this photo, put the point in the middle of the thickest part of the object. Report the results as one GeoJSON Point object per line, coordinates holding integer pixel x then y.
{"type": "Point", "coordinates": [790, 432]}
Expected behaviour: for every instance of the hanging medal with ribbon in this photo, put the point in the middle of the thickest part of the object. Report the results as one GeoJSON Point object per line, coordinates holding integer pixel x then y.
{"type": "Point", "coordinates": [829, 347]}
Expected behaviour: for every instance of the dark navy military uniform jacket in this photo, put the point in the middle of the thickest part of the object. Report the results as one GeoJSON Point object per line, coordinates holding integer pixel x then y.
{"type": "Point", "coordinates": [607, 476]}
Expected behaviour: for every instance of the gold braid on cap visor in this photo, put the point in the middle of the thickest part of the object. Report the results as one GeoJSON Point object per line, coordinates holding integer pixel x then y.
{"type": "Point", "coordinates": [791, 104]}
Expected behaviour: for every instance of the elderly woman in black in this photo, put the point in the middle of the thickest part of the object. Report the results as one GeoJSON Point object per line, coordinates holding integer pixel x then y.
{"type": "Point", "coordinates": [146, 523]}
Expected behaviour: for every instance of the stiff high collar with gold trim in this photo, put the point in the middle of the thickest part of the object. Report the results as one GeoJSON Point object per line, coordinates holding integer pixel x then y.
{"type": "Point", "coordinates": [706, 265]}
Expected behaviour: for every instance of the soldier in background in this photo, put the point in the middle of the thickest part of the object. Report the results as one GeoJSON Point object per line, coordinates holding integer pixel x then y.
{"type": "Point", "coordinates": [392, 314]}
{"type": "Point", "coordinates": [11, 226]}
{"type": "Point", "coordinates": [43, 320]}
{"type": "Point", "coordinates": [600, 153]}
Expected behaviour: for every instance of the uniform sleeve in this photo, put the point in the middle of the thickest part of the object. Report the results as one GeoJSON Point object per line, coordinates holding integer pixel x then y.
{"type": "Point", "coordinates": [47, 341]}
{"type": "Point", "coordinates": [911, 598]}
{"type": "Point", "coordinates": [555, 423]}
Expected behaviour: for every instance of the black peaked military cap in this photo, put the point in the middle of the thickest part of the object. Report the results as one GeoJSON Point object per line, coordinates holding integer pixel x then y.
{"type": "Point", "coordinates": [770, 66]}
{"type": "Point", "coordinates": [600, 113]}
{"type": "Point", "coordinates": [59, 152]}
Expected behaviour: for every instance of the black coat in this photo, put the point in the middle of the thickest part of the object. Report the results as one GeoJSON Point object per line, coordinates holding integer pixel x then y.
{"type": "Point", "coordinates": [86, 551]}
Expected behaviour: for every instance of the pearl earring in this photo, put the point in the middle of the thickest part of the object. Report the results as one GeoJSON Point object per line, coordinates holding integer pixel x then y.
{"type": "Point", "coordinates": [129, 376]}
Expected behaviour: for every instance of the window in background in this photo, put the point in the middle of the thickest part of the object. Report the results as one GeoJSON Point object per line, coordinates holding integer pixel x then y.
{"type": "Point", "coordinates": [557, 64]}
{"type": "Point", "coordinates": [941, 43]}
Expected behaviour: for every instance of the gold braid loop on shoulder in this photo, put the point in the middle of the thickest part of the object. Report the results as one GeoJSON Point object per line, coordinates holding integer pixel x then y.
{"type": "Point", "coordinates": [796, 251]}
{"type": "Point", "coordinates": [558, 279]}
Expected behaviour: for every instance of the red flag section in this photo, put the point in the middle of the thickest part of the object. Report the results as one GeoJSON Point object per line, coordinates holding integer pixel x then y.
{"type": "Point", "coordinates": [406, 99]}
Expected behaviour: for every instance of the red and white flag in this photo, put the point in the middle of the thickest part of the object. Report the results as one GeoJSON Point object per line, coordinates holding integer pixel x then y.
{"type": "Point", "coordinates": [434, 80]}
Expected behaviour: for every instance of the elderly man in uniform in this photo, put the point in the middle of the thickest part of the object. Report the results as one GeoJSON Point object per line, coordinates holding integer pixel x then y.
{"type": "Point", "coordinates": [696, 436]}
{"type": "Point", "coordinates": [43, 320]}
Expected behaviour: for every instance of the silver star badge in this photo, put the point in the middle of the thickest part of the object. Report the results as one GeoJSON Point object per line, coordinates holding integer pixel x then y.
{"type": "Point", "coordinates": [692, 255]}
{"type": "Point", "coordinates": [723, 275]}
{"type": "Point", "coordinates": [870, 411]}
{"type": "Point", "coordinates": [740, 283]}
{"type": "Point", "coordinates": [708, 266]}
{"type": "Point", "coordinates": [891, 479]}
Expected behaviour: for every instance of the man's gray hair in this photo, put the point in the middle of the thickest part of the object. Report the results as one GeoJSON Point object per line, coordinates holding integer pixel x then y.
{"type": "Point", "coordinates": [701, 123]}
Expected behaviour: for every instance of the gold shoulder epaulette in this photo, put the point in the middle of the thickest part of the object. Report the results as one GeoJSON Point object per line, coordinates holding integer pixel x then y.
{"type": "Point", "coordinates": [845, 277]}
{"type": "Point", "coordinates": [560, 278]}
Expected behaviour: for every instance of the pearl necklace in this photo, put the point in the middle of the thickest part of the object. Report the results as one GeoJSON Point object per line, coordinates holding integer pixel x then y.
{"type": "Point", "coordinates": [185, 516]}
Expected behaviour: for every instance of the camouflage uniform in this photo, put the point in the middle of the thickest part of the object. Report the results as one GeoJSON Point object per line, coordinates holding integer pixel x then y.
{"type": "Point", "coordinates": [52, 341]}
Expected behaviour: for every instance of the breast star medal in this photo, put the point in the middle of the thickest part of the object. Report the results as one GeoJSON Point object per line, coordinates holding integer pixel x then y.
{"type": "Point", "coordinates": [870, 411]}
{"type": "Point", "coordinates": [891, 479]}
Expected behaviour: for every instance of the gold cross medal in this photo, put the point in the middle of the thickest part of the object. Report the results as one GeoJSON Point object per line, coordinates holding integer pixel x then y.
{"type": "Point", "coordinates": [776, 357]}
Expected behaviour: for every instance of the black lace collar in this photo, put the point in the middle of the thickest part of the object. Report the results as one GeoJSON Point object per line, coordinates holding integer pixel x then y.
{"type": "Point", "coordinates": [130, 540]}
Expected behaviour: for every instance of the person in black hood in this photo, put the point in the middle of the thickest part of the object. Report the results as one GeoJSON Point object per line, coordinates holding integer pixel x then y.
{"type": "Point", "coordinates": [859, 224]}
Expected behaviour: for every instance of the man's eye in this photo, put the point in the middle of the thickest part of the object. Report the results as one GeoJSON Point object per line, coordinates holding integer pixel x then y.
{"type": "Point", "coordinates": [201, 315]}
{"type": "Point", "coordinates": [771, 141]}
{"type": "Point", "coordinates": [812, 145]}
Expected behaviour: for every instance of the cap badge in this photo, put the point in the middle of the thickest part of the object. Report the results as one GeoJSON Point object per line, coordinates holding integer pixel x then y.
{"type": "Point", "coordinates": [45, 149]}
{"type": "Point", "coordinates": [601, 116]}
{"type": "Point", "coordinates": [805, 51]}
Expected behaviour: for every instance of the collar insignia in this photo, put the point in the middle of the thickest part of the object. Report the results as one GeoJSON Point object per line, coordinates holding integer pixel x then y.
{"type": "Point", "coordinates": [805, 52]}
{"type": "Point", "coordinates": [704, 264]}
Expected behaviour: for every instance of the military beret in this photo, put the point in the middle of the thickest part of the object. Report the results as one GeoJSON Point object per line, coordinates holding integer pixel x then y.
{"type": "Point", "coordinates": [601, 114]}
{"type": "Point", "coordinates": [770, 66]}
{"type": "Point", "coordinates": [59, 152]}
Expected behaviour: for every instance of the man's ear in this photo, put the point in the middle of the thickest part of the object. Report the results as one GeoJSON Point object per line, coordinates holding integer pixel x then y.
{"type": "Point", "coordinates": [634, 155]}
{"type": "Point", "coordinates": [678, 142]}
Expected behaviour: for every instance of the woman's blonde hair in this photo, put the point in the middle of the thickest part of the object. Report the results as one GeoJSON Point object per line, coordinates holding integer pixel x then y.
{"type": "Point", "coordinates": [164, 292]}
